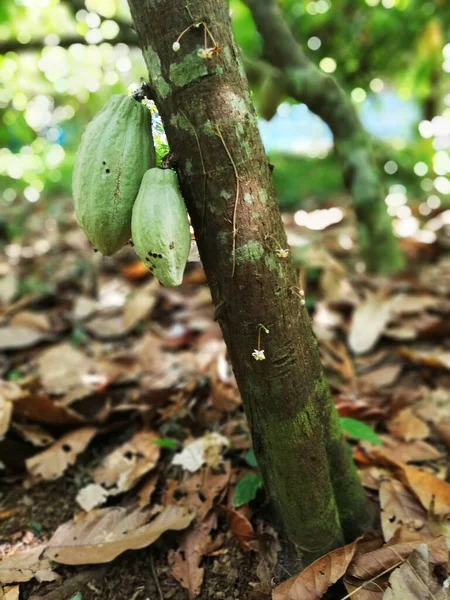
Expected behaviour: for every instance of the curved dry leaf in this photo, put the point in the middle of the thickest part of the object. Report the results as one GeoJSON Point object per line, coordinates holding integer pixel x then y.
{"type": "Point", "coordinates": [17, 338]}
{"type": "Point", "coordinates": [207, 449]}
{"type": "Point", "coordinates": [121, 469]}
{"type": "Point", "coordinates": [103, 534]}
{"type": "Point", "coordinates": [432, 492]}
{"type": "Point", "coordinates": [399, 507]}
{"type": "Point", "coordinates": [124, 467]}
{"type": "Point", "coordinates": [32, 320]}
{"type": "Point", "coordinates": [414, 580]}
{"type": "Point", "coordinates": [51, 463]}
{"type": "Point", "coordinates": [185, 562]}
{"type": "Point", "coordinates": [34, 433]}
{"type": "Point", "coordinates": [65, 369]}
{"type": "Point", "coordinates": [369, 321]}
{"type": "Point", "coordinates": [395, 450]}
{"type": "Point", "coordinates": [10, 593]}
{"type": "Point", "coordinates": [408, 426]}
{"type": "Point", "coordinates": [435, 359]}
{"type": "Point", "coordinates": [23, 565]}
{"type": "Point", "coordinates": [241, 527]}
{"type": "Point", "coordinates": [314, 581]}
{"type": "Point", "coordinates": [370, 565]}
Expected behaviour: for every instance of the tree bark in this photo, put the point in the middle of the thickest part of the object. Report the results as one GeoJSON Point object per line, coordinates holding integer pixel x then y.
{"type": "Point", "coordinates": [304, 82]}
{"type": "Point", "coordinates": [213, 133]}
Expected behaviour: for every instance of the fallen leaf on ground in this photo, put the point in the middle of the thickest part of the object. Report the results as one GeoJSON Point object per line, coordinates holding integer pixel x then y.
{"type": "Point", "coordinates": [313, 582]}
{"type": "Point", "coordinates": [34, 433]}
{"type": "Point", "coordinates": [414, 579]}
{"type": "Point", "coordinates": [433, 493]}
{"type": "Point", "coordinates": [9, 393]}
{"type": "Point", "coordinates": [185, 562]}
{"type": "Point", "coordinates": [381, 377]}
{"type": "Point", "coordinates": [146, 490]}
{"type": "Point", "coordinates": [8, 287]}
{"type": "Point", "coordinates": [399, 507]}
{"type": "Point", "coordinates": [369, 321]}
{"type": "Point", "coordinates": [224, 392]}
{"type": "Point", "coordinates": [51, 463]}
{"type": "Point", "coordinates": [32, 320]}
{"type": "Point", "coordinates": [207, 449]}
{"type": "Point", "coordinates": [365, 566]}
{"type": "Point", "coordinates": [140, 304]}
{"type": "Point", "coordinates": [199, 491]}
{"type": "Point", "coordinates": [396, 450]}
{"type": "Point", "coordinates": [408, 426]}
{"type": "Point", "coordinates": [18, 338]}
{"type": "Point", "coordinates": [241, 527]}
{"type": "Point", "coordinates": [103, 534]}
{"type": "Point", "coordinates": [435, 359]}
{"type": "Point", "coordinates": [10, 593]}
{"type": "Point", "coordinates": [122, 469]}
{"type": "Point", "coordinates": [65, 369]}
{"type": "Point", "coordinates": [23, 565]}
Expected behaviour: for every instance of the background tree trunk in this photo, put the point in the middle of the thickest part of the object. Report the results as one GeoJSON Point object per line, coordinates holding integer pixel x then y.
{"type": "Point", "coordinates": [303, 81]}
{"type": "Point", "coordinates": [213, 132]}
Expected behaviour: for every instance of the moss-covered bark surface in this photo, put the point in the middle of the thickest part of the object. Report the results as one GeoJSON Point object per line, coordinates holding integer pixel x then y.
{"type": "Point", "coordinates": [225, 179]}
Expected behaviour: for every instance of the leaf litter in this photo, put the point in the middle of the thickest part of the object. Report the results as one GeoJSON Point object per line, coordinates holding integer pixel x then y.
{"type": "Point", "coordinates": [122, 393]}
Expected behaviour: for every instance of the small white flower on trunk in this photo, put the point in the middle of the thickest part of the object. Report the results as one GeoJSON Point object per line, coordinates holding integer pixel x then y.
{"type": "Point", "coordinates": [258, 355]}
{"type": "Point", "coordinates": [176, 46]}
{"type": "Point", "coordinates": [282, 252]}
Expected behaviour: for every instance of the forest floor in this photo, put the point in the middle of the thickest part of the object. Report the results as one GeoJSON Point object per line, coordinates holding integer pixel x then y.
{"type": "Point", "coordinates": [127, 469]}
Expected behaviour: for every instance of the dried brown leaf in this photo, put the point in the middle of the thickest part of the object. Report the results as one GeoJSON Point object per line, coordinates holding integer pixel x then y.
{"type": "Point", "coordinates": [314, 581]}
{"type": "Point", "coordinates": [408, 426]}
{"type": "Point", "coordinates": [126, 465]}
{"type": "Point", "coordinates": [241, 527]}
{"type": "Point", "coordinates": [369, 321]}
{"type": "Point", "coordinates": [414, 580]}
{"type": "Point", "coordinates": [103, 534]}
{"type": "Point", "coordinates": [371, 564]}
{"type": "Point", "coordinates": [34, 433]}
{"type": "Point", "coordinates": [435, 359]}
{"type": "Point", "coordinates": [396, 450]}
{"type": "Point", "coordinates": [185, 562]}
{"type": "Point", "coordinates": [23, 565]}
{"type": "Point", "coordinates": [399, 507]}
{"type": "Point", "coordinates": [32, 320]}
{"type": "Point", "coordinates": [51, 463]}
{"type": "Point", "coordinates": [381, 377]}
{"type": "Point", "coordinates": [18, 338]}
{"type": "Point", "coordinates": [10, 593]}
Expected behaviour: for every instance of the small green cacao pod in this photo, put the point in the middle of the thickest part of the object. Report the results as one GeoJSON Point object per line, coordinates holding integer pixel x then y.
{"type": "Point", "coordinates": [160, 226]}
{"type": "Point", "coordinates": [115, 151]}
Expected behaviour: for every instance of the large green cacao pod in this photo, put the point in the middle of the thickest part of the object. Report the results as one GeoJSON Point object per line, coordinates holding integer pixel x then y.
{"type": "Point", "coordinates": [115, 151]}
{"type": "Point", "coordinates": [160, 226]}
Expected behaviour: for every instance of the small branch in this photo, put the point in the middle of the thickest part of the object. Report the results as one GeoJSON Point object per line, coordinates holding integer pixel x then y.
{"type": "Point", "coordinates": [236, 174]}
{"type": "Point", "coordinates": [128, 38]}
{"type": "Point", "coordinates": [304, 82]}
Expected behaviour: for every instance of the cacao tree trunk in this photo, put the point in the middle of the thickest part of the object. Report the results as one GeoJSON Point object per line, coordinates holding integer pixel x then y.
{"type": "Point", "coordinates": [225, 178]}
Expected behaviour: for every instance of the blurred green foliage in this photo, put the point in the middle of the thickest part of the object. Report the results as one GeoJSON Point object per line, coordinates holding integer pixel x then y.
{"type": "Point", "coordinates": [61, 59]}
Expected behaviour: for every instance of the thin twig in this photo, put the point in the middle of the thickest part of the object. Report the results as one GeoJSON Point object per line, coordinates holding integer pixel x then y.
{"type": "Point", "coordinates": [236, 174]}
{"type": "Point", "coordinates": [205, 174]}
{"type": "Point", "coordinates": [155, 577]}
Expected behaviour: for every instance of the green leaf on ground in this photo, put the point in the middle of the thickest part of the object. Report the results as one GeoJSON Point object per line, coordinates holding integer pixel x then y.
{"type": "Point", "coordinates": [250, 458]}
{"type": "Point", "coordinates": [359, 431]}
{"type": "Point", "coordinates": [167, 442]}
{"type": "Point", "coordinates": [247, 489]}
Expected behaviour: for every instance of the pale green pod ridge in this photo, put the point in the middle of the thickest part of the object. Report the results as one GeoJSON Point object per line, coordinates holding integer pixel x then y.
{"type": "Point", "coordinates": [115, 151]}
{"type": "Point", "coordinates": [160, 226]}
